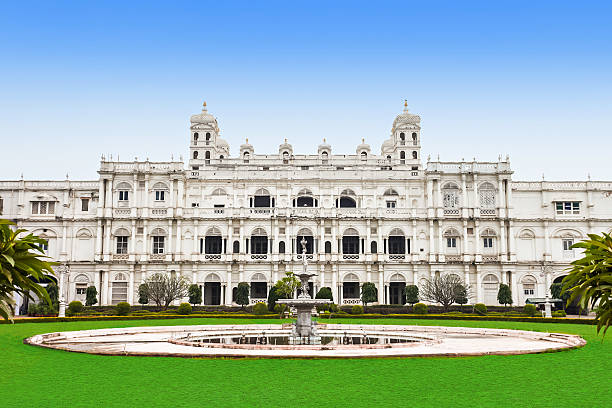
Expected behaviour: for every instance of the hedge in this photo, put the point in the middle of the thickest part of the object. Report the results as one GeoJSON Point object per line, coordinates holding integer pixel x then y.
{"type": "Point", "coordinates": [323, 316]}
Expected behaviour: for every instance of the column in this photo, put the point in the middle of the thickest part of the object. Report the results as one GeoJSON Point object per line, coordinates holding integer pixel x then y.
{"type": "Point", "coordinates": [368, 245]}
{"type": "Point", "coordinates": [99, 238]}
{"type": "Point", "coordinates": [440, 247]}
{"type": "Point", "coordinates": [230, 238]}
{"type": "Point", "coordinates": [64, 234]}
{"type": "Point", "coordinates": [131, 286]}
{"type": "Point", "coordinates": [196, 240]}
{"type": "Point", "coordinates": [145, 240]}
{"type": "Point", "coordinates": [511, 241]}
{"type": "Point", "coordinates": [169, 251]}
{"type": "Point", "coordinates": [387, 300]}
{"type": "Point", "coordinates": [381, 285]}
{"type": "Point", "coordinates": [133, 241]}
{"type": "Point", "coordinates": [464, 243]}
{"type": "Point", "coordinates": [413, 244]}
{"type": "Point", "coordinates": [178, 240]}
{"type": "Point", "coordinates": [228, 288]}
{"type": "Point", "coordinates": [477, 245]}
{"type": "Point", "coordinates": [334, 287]}
{"type": "Point", "coordinates": [106, 286]}
{"type": "Point", "coordinates": [547, 250]}
{"type": "Point", "coordinates": [107, 233]}
{"type": "Point", "coordinates": [502, 237]}
{"type": "Point", "coordinates": [432, 246]}
{"type": "Point", "coordinates": [98, 286]}
{"type": "Point", "coordinates": [475, 196]}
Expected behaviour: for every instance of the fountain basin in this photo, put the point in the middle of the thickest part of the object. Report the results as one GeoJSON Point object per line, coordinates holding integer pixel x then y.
{"type": "Point", "coordinates": [385, 341]}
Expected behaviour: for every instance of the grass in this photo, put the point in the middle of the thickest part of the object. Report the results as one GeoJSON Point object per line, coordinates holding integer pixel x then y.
{"type": "Point", "coordinates": [37, 377]}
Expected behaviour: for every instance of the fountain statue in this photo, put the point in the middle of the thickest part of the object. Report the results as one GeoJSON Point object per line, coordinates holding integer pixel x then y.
{"type": "Point", "coordinates": [304, 330]}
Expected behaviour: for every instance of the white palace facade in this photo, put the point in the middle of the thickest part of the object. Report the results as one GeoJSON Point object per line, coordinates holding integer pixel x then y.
{"type": "Point", "coordinates": [384, 218]}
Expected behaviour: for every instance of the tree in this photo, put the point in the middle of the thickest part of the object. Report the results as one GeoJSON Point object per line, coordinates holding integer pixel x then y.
{"type": "Point", "coordinates": [461, 294]}
{"type": "Point", "coordinates": [195, 294]}
{"type": "Point", "coordinates": [242, 294]}
{"type": "Point", "coordinates": [21, 268]}
{"type": "Point", "coordinates": [273, 296]}
{"type": "Point", "coordinates": [287, 286]}
{"type": "Point", "coordinates": [441, 290]}
{"type": "Point", "coordinates": [164, 289]}
{"type": "Point", "coordinates": [143, 294]}
{"type": "Point", "coordinates": [91, 296]}
{"type": "Point", "coordinates": [325, 293]}
{"type": "Point", "coordinates": [504, 295]}
{"type": "Point", "coordinates": [589, 281]}
{"type": "Point", "coordinates": [412, 294]}
{"type": "Point", "coordinates": [556, 291]}
{"type": "Point", "coordinates": [369, 293]}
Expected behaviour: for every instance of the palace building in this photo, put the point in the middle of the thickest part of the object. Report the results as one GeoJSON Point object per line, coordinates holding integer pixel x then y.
{"type": "Point", "coordinates": [390, 218]}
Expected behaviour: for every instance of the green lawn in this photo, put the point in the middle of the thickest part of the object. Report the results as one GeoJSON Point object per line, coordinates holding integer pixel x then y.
{"type": "Point", "coordinates": [37, 377]}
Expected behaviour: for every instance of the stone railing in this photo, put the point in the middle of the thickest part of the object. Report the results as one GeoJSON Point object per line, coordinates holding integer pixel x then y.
{"type": "Point", "coordinates": [488, 212]}
{"type": "Point", "coordinates": [120, 257]}
{"type": "Point", "coordinates": [350, 257]}
{"type": "Point", "coordinates": [453, 258]}
{"type": "Point", "coordinates": [490, 258]}
{"type": "Point", "coordinates": [159, 211]}
{"type": "Point", "coordinates": [397, 257]}
{"type": "Point", "coordinates": [451, 212]}
{"type": "Point", "coordinates": [157, 257]}
{"type": "Point", "coordinates": [122, 212]}
{"type": "Point", "coordinates": [212, 256]}
{"type": "Point", "coordinates": [259, 256]}
{"type": "Point", "coordinates": [354, 301]}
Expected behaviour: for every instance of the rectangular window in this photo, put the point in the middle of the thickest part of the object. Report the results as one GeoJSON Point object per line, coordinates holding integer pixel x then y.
{"type": "Point", "coordinates": [160, 195]}
{"type": "Point", "coordinates": [451, 242]}
{"type": "Point", "coordinates": [259, 245]}
{"type": "Point", "coordinates": [528, 290]}
{"type": "Point", "coordinates": [567, 207]}
{"type": "Point", "coordinates": [328, 230]}
{"type": "Point", "coordinates": [212, 245]}
{"type": "Point", "coordinates": [488, 242]}
{"type": "Point", "coordinates": [122, 245]}
{"type": "Point", "coordinates": [84, 204]}
{"type": "Point", "coordinates": [158, 245]}
{"type": "Point", "coordinates": [120, 292]}
{"type": "Point", "coordinates": [81, 289]}
{"type": "Point", "coordinates": [123, 195]}
{"type": "Point", "coordinates": [390, 204]}
{"type": "Point", "coordinates": [567, 244]}
{"type": "Point", "coordinates": [43, 207]}
{"type": "Point", "coordinates": [1, 205]}
{"type": "Point", "coordinates": [350, 245]}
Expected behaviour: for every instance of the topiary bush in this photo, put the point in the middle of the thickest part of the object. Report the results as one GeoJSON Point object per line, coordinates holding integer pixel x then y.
{"type": "Point", "coordinates": [480, 308]}
{"type": "Point", "coordinates": [122, 309]}
{"type": "Point", "coordinates": [260, 308]}
{"type": "Point", "coordinates": [325, 293]}
{"type": "Point", "coordinates": [559, 313]}
{"type": "Point", "coordinates": [280, 308]}
{"type": "Point", "coordinates": [75, 307]}
{"type": "Point", "coordinates": [184, 309]}
{"type": "Point", "coordinates": [530, 310]}
{"type": "Point", "coordinates": [420, 308]}
{"type": "Point", "coordinates": [357, 309]}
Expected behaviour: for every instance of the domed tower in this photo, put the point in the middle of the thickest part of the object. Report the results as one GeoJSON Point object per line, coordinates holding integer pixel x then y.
{"type": "Point", "coordinates": [205, 143]}
{"type": "Point", "coordinates": [404, 146]}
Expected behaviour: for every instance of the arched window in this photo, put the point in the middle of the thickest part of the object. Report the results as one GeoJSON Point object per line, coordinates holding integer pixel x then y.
{"type": "Point", "coordinates": [262, 198]}
{"type": "Point", "coordinates": [221, 157]}
{"type": "Point", "coordinates": [219, 192]}
{"type": "Point", "coordinates": [246, 157]}
{"type": "Point", "coordinates": [390, 192]}
{"type": "Point", "coordinates": [364, 155]}
{"type": "Point", "coordinates": [486, 194]}
{"type": "Point", "coordinates": [327, 247]}
{"type": "Point", "coordinates": [159, 236]}
{"type": "Point", "coordinates": [306, 235]}
{"type": "Point", "coordinates": [452, 239]}
{"type": "Point", "coordinates": [207, 136]}
{"type": "Point", "coordinates": [236, 247]}
{"type": "Point", "coordinates": [213, 242]}
{"type": "Point", "coordinates": [281, 247]}
{"type": "Point", "coordinates": [207, 155]}
{"type": "Point", "coordinates": [414, 154]}
{"type": "Point", "coordinates": [488, 239]}
{"type": "Point", "coordinates": [346, 199]}
{"type": "Point", "coordinates": [529, 285]}
{"type": "Point", "coordinates": [389, 158]}
{"type": "Point", "coordinates": [350, 286]}
{"type": "Point", "coordinates": [350, 241]}
{"type": "Point", "coordinates": [259, 286]}
{"type": "Point", "coordinates": [373, 247]}
{"type": "Point", "coordinates": [414, 137]}
{"type": "Point", "coordinates": [402, 136]}
{"type": "Point", "coordinates": [305, 199]}
{"type": "Point", "coordinates": [324, 157]}
{"type": "Point", "coordinates": [490, 286]}
{"type": "Point", "coordinates": [397, 242]}
{"type": "Point", "coordinates": [195, 154]}
{"type": "Point", "coordinates": [259, 241]}
{"type": "Point", "coordinates": [402, 155]}
{"type": "Point", "coordinates": [450, 195]}
{"type": "Point", "coordinates": [196, 136]}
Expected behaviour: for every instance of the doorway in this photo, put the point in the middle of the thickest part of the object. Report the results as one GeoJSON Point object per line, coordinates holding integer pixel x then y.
{"type": "Point", "coordinates": [212, 293]}
{"type": "Point", "coordinates": [397, 295]}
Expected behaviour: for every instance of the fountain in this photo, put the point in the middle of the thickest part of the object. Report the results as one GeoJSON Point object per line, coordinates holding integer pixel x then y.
{"type": "Point", "coordinates": [304, 330]}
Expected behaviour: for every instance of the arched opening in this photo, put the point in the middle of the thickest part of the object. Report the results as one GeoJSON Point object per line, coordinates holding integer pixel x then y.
{"type": "Point", "coordinates": [490, 287]}
{"type": "Point", "coordinates": [281, 247]}
{"type": "Point", "coordinates": [486, 195]}
{"type": "Point", "coordinates": [324, 157]}
{"type": "Point", "coordinates": [207, 136]}
{"type": "Point", "coordinates": [350, 242]}
{"type": "Point", "coordinates": [397, 290]}
{"type": "Point", "coordinates": [207, 155]}
{"type": "Point", "coordinates": [347, 202]}
{"type": "Point", "coordinates": [328, 248]}
{"type": "Point", "coordinates": [236, 247]}
{"type": "Point", "coordinates": [196, 136]}
{"type": "Point", "coordinates": [195, 154]}
{"type": "Point", "coordinates": [414, 154]}
{"type": "Point", "coordinates": [259, 241]}
{"type": "Point", "coordinates": [262, 198]}
{"type": "Point", "coordinates": [397, 242]}
{"type": "Point", "coordinates": [364, 155]}
{"type": "Point", "coordinates": [373, 247]}
{"type": "Point", "coordinates": [306, 235]}
{"type": "Point", "coordinates": [212, 290]}
{"type": "Point", "coordinates": [213, 241]}
{"type": "Point", "coordinates": [450, 196]}
{"type": "Point", "coordinates": [119, 288]}
{"type": "Point", "coordinates": [452, 241]}
{"type": "Point", "coordinates": [245, 157]}
{"type": "Point", "coordinates": [305, 201]}
{"type": "Point", "coordinates": [402, 136]}
{"type": "Point", "coordinates": [350, 286]}
{"type": "Point", "coordinates": [259, 287]}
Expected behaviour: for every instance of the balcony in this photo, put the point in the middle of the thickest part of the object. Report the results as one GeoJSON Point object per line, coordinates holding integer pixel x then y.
{"type": "Point", "coordinates": [453, 258]}
{"type": "Point", "coordinates": [212, 257]}
{"type": "Point", "coordinates": [157, 257]}
{"type": "Point", "coordinates": [490, 258]}
{"type": "Point", "coordinates": [451, 212]}
{"type": "Point", "coordinates": [355, 301]}
{"type": "Point", "coordinates": [488, 212]}
{"type": "Point", "coordinates": [259, 257]}
{"type": "Point", "coordinates": [120, 257]}
{"type": "Point", "coordinates": [159, 212]}
{"type": "Point", "coordinates": [122, 212]}
{"type": "Point", "coordinates": [397, 257]}
{"type": "Point", "coordinates": [350, 257]}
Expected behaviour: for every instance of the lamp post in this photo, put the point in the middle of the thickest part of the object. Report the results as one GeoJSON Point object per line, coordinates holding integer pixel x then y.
{"type": "Point", "coordinates": [62, 269]}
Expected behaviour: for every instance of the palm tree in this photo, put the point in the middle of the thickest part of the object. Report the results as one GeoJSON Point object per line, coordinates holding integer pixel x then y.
{"type": "Point", "coordinates": [590, 278]}
{"type": "Point", "coordinates": [21, 267]}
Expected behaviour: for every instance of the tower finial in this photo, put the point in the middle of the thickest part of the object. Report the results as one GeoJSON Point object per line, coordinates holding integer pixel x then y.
{"type": "Point", "coordinates": [285, 140]}
{"type": "Point", "coordinates": [405, 105]}
{"type": "Point", "coordinates": [363, 140]}
{"type": "Point", "coordinates": [204, 107]}
{"type": "Point", "coordinates": [324, 141]}
{"type": "Point", "coordinates": [247, 140]}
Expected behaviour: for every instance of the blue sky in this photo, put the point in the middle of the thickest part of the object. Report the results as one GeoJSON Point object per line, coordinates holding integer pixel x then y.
{"type": "Point", "coordinates": [78, 79]}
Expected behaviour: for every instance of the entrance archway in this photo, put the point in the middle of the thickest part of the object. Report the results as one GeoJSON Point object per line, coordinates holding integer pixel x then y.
{"type": "Point", "coordinates": [212, 290]}
{"type": "Point", "coordinates": [397, 290]}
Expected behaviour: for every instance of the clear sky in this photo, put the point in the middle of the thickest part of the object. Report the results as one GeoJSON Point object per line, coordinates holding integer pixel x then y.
{"type": "Point", "coordinates": [530, 79]}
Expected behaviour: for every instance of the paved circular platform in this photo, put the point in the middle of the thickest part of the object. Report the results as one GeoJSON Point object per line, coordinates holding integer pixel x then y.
{"type": "Point", "coordinates": [428, 341]}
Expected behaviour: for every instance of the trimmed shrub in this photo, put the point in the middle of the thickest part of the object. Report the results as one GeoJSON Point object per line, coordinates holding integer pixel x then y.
{"type": "Point", "coordinates": [184, 309]}
{"type": "Point", "coordinates": [143, 294]}
{"type": "Point", "coordinates": [122, 309]}
{"type": "Point", "coordinates": [530, 310]}
{"type": "Point", "coordinates": [420, 308]}
{"type": "Point", "coordinates": [412, 294]}
{"type": "Point", "coordinates": [559, 313]}
{"type": "Point", "coordinates": [333, 308]}
{"type": "Point", "coordinates": [260, 308]}
{"type": "Point", "coordinates": [480, 308]}
{"type": "Point", "coordinates": [195, 294]}
{"type": "Point", "coordinates": [273, 296]}
{"type": "Point", "coordinates": [75, 307]}
{"type": "Point", "coordinates": [91, 296]}
{"type": "Point", "coordinates": [280, 308]}
{"type": "Point", "coordinates": [325, 293]}
{"type": "Point", "coordinates": [357, 309]}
